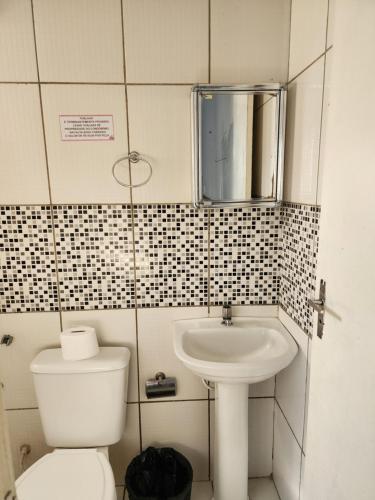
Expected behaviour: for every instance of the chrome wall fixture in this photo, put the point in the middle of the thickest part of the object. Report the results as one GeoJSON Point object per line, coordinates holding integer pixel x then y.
{"type": "Point", "coordinates": [133, 158]}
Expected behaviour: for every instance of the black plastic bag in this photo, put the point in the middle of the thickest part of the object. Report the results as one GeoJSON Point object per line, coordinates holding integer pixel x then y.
{"type": "Point", "coordinates": [159, 474]}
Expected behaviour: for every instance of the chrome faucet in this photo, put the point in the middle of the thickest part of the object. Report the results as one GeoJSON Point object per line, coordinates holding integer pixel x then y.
{"type": "Point", "coordinates": [227, 315]}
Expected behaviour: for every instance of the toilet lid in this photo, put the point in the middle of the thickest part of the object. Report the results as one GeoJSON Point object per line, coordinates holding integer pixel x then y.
{"type": "Point", "coordinates": [68, 474]}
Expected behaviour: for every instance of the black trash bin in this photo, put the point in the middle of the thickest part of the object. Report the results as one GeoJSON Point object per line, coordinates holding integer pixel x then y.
{"type": "Point", "coordinates": [159, 474]}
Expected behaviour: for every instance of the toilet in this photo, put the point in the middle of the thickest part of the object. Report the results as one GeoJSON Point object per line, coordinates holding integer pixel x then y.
{"type": "Point", "coordinates": [82, 408]}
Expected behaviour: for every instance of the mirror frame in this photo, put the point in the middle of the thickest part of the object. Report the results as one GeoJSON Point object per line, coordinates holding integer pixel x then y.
{"type": "Point", "coordinates": [196, 91]}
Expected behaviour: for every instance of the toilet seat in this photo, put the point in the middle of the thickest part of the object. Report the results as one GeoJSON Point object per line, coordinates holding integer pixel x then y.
{"type": "Point", "coordinates": [69, 474]}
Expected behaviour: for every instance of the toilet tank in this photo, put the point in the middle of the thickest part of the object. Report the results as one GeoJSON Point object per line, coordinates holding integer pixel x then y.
{"type": "Point", "coordinates": [82, 403]}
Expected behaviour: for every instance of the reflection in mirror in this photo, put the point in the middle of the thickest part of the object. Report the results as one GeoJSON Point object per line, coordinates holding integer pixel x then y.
{"type": "Point", "coordinates": [238, 146]}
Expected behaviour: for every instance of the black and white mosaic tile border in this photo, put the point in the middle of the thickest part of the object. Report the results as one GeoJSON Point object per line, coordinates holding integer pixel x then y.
{"type": "Point", "coordinates": [94, 247]}
{"type": "Point", "coordinates": [171, 245]}
{"type": "Point", "coordinates": [244, 251]}
{"type": "Point", "coordinates": [300, 225]}
{"type": "Point", "coordinates": [28, 280]}
{"type": "Point", "coordinates": [174, 257]}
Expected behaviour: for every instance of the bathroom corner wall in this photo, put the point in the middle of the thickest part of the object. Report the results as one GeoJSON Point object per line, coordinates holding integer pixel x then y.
{"type": "Point", "coordinates": [76, 247]}
{"type": "Point", "coordinates": [309, 52]}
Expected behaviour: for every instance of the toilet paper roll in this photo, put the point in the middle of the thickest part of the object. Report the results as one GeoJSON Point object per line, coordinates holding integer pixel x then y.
{"type": "Point", "coordinates": [78, 343]}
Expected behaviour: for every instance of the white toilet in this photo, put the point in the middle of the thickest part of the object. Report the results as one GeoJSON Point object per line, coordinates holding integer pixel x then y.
{"type": "Point", "coordinates": [82, 407]}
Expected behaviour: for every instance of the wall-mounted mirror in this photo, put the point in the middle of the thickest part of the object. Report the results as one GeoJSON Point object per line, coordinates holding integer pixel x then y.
{"type": "Point", "coordinates": [238, 144]}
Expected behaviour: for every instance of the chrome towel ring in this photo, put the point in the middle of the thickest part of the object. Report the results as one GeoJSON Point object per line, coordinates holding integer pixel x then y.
{"type": "Point", "coordinates": [133, 157]}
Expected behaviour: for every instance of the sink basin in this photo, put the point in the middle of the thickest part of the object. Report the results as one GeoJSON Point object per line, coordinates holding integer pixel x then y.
{"type": "Point", "coordinates": [249, 351]}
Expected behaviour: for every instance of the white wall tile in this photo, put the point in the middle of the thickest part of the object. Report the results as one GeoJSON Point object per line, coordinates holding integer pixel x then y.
{"type": "Point", "coordinates": [304, 107]}
{"type": "Point", "coordinates": [291, 382]}
{"type": "Point", "coordinates": [17, 51]}
{"type": "Point", "coordinates": [23, 170]}
{"type": "Point", "coordinates": [156, 352]}
{"type": "Point", "coordinates": [25, 427]}
{"type": "Point", "coordinates": [327, 98]}
{"type": "Point", "coordinates": [123, 452]}
{"type": "Point", "coordinates": [114, 328]}
{"type": "Point", "coordinates": [308, 33]}
{"type": "Point", "coordinates": [262, 489]}
{"type": "Point", "coordinates": [249, 41]}
{"type": "Point", "coordinates": [79, 40]}
{"type": "Point", "coordinates": [166, 41]}
{"type": "Point", "coordinates": [81, 171]}
{"type": "Point", "coordinates": [32, 333]}
{"type": "Point", "coordinates": [159, 123]}
{"type": "Point", "coordinates": [182, 425]}
{"type": "Point", "coordinates": [286, 459]}
{"type": "Point", "coordinates": [260, 436]}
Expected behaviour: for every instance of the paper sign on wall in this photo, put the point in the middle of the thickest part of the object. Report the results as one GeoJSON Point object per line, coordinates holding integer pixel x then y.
{"type": "Point", "coordinates": [86, 127]}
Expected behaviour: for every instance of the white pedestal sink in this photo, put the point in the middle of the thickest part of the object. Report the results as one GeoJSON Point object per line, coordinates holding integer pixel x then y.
{"type": "Point", "coordinates": [250, 350]}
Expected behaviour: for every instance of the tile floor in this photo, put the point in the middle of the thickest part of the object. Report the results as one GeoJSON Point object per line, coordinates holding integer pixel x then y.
{"type": "Point", "coordinates": [259, 489]}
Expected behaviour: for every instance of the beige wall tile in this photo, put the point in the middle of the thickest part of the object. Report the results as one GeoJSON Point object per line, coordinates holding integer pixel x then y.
{"type": "Point", "coordinates": [304, 108]}
{"type": "Point", "coordinates": [122, 453]}
{"type": "Point", "coordinates": [79, 40]}
{"type": "Point", "coordinates": [32, 333]}
{"type": "Point", "coordinates": [159, 122]}
{"type": "Point", "coordinates": [249, 41]}
{"type": "Point", "coordinates": [81, 171]}
{"type": "Point", "coordinates": [23, 170]}
{"type": "Point", "coordinates": [182, 425]}
{"type": "Point", "coordinates": [156, 352]}
{"type": "Point", "coordinates": [307, 33]}
{"type": "Point", "coordinates": [291, 382]}
{"type": "Point", "coordinates": [17, 52]}
{"type": "Point", "coordinates": [166, 41]}
{"type": "Point", "coordinates": [25, 427]}
{"type": "Point", "coordinates": [286, 460]}
{"type": "Point", "coordinates": [113, 328]}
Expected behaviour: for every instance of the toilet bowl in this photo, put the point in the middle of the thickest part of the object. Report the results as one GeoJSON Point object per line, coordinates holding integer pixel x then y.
{"type": "Point", "coordinates": [79, 474]}
{"type": "Point", "coordinates": [82, 406]}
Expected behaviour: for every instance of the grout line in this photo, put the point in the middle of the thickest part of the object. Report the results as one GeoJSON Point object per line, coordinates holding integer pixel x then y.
{"type": "Point", "coordinates": [307, 392]}
{"type": "Point", "coordinates": [209, 434]}
{"type": "Point", "coordinates": [47, 169]}
{"type": "Point", "coordinates": [293, 203]}
{"type": "Point", "coordinates": [157, 400]}
{"type": "Point", "coordinates": [22, 409]}
{"type": "Point", "coordinates": [290, 35]}
{"type": "Point", "coordinates": [287, 421]}
{"type": "Point", "coordinates": [327, 21]}
{"type": "Point", "coordinates": [133, 230]}
{"type": "Point", "coordinates": [300, 477]}
{"type": "Point", "coordinates": [157, 84]}
{"type": "Point", "coordinates": [318, 174]}
{"type": "Point", "coordinates": [308, 66]}
{"type": "Point", "coordinates": [209, 41]}
{"type": "Point", "coordinates": [277, 491]}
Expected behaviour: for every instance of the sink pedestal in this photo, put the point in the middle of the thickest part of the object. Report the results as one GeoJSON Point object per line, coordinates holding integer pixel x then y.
{"type": "Point", "coordinates": [231, 441]}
